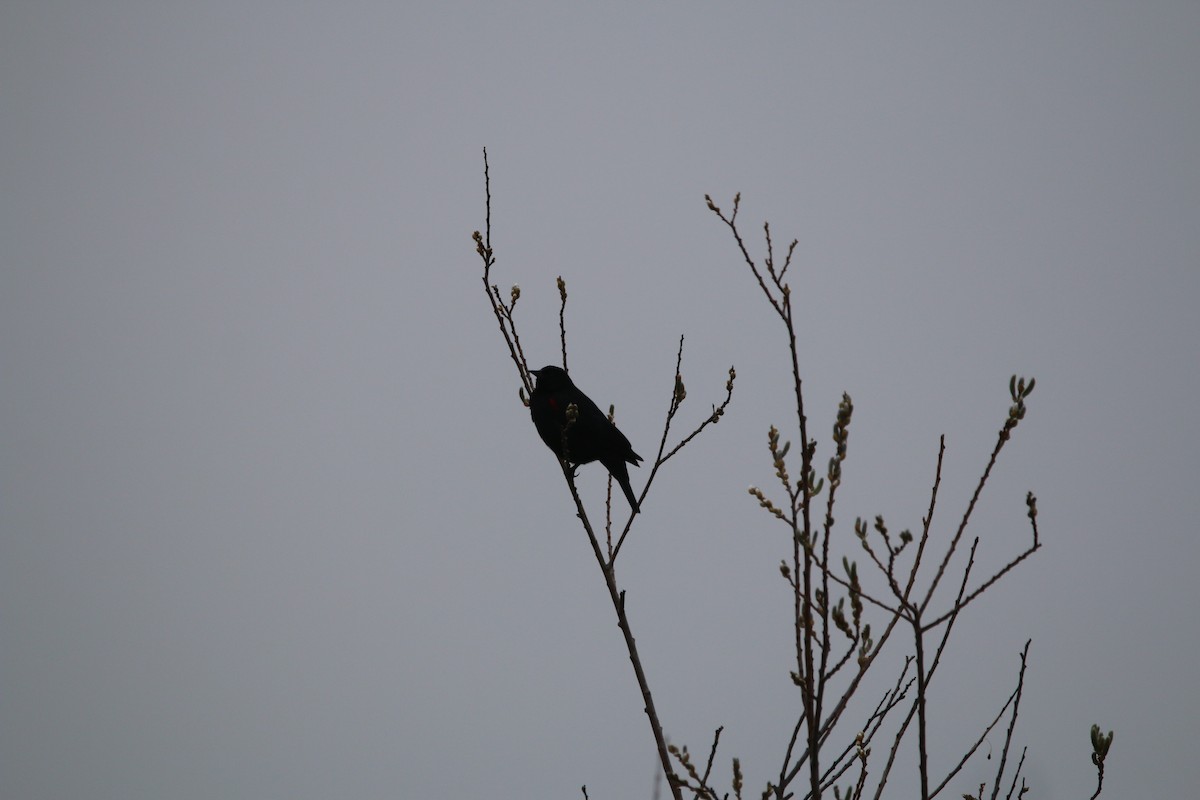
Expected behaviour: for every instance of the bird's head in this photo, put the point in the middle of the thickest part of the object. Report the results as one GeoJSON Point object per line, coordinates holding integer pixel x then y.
{"type": "Point", "coordinates": [551, 378]}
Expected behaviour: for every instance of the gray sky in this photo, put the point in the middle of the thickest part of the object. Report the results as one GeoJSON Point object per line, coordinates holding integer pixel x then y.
{"type": "Point", "coordinates": [273, 522]}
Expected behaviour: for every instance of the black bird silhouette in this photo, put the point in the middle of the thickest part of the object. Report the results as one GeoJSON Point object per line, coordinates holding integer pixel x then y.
{"type": "Point", "coordinates": [591, 437]}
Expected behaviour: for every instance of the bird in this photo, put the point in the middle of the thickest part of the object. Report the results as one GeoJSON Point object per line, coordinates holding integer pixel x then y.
{"type": "Point", "coordinates": [591, 437]}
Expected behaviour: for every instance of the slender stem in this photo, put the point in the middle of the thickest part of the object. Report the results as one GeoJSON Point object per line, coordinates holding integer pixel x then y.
{"type": "Point", "coordinates": [922, 683]}
{"type": "Point", "coordinates": [962, 526]}
{"type": "Point", "coordinates": [814, 683]}
{"type": "Point", "coordinates": [1099, 779]}
{"type": "Point", "coordinates": [1016, 700]}
{"type": "Point", "coordinates": [618, 600]}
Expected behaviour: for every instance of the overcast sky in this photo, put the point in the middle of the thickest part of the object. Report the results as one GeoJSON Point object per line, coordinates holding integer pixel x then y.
{"type": "Point", "coordinates": [274, 523]}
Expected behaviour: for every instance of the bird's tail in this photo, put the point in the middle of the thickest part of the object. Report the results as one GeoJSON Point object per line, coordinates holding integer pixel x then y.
{"type": "Point", "coordinates": [629, 495]}
{"type": "Point", "coordinates": [621, 472]}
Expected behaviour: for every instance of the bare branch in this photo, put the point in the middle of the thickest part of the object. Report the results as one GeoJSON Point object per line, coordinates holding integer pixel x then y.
{"type": "Point", "coordinates": [1013, 700]}
{"type": "Point", "coordinates": [1016, 708]}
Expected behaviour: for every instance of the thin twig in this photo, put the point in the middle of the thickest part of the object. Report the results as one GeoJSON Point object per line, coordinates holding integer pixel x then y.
{"type": "Point", "coordinates": [712, 753]}
{"type": "Point", "coordinates": [1021, 763]}
{"type": "Point", "coordinates": [928, 520]}
{"type": "Point", "coordinates": [618, 600]}
{"type": "Point", "coordinates": [562, 322]}
{"type": "Point", "coordinates": [672, 410]}
{"type": "Point", "coordinates": [962, 526]}
{"type": "Point", "coordinates": [983, 587]}
{"type": "Point", "coordinates": [1012, 722]}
